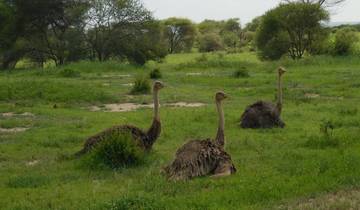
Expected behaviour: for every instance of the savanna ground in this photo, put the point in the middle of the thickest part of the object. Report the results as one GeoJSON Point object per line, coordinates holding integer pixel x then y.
{"type": "Point", "coordinates": [301, 166]}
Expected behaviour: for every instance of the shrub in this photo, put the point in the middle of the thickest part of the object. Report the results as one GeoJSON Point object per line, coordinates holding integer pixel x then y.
{"type": "Point", "coordinates": [141, 86]}
{"type": "Point", "coordinates": [116, 151]}
{"type": "Point", "coordinates": [289, 29]}
{"type": "Point", "coordinates": [69, 73]}
{"type": "Point", "coordinates": [241, 73]}
{"type": "Point", "coordinates": [28, 181]}
{"type": "Point", "coordinates": [210, 42]}
{"type": "Point", "coordinates": [155, 74]}
{"type": "Point", "coordinates": [326, 139]}
{"type": "Point", "coordinates": [345, 40]}
{"type": "Point", "coordinates": [201, 59]}
{"type": "Point", "coordinates": [135, 203]}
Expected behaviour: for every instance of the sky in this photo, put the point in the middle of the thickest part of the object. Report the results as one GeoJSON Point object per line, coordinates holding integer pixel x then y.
{"type": "Point", "coordinates": [246, 10]}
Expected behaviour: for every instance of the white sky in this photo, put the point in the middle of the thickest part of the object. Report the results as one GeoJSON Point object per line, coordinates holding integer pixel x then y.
{"type": "Point", "coordinates": [246, 10]}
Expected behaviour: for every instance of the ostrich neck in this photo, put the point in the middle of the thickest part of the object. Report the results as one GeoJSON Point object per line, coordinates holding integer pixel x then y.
{"type": "Point", "coordinates": [280, 95]}
{"type": "Point", "coordinates": [156, 105]}
{"type": "Point", "coordinates": [155, 129]}
{"type": "Point", "coordinates": [220, 136]}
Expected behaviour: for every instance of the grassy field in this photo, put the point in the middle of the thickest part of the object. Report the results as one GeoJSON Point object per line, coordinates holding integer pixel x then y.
{"type": "Point", "coordinates": [277, 168]}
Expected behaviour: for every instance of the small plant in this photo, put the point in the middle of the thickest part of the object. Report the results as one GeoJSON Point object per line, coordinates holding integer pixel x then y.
{"type": "Point", "coordinates": [27, 181]}
{"type": "Point", "coordinates": [241, 73]}
{"type": "Point", "coordinates": [141, 86]}
{"type": "Point", "coordinates": [202, 58]}
{"type": "Point", "coordinates": [135, 203]}
{"type": "Point", "coordinates": [69, 73]}
{"type": "Point", "coordinates": [326, 139]}
{"type": "Point", "coordinates": [326, 128]}
{"type": "Point", "coordinates": [155, 74]}
{"type": "Point", "coordinates": [116, 151]}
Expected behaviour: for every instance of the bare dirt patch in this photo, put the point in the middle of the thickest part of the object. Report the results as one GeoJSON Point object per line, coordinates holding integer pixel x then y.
{"type": "Point", "coordinates": [184, 104]}
{"type": "Point", "coordinates": [32, 163]}
{"type": "Point", "coordinates": [199, 74]}
{"type": "Point", "coordinates": [12, 114]}
{"type": "Point", "coordinates": [116, 75]}
{"type": "Point", "coordinates": [345, 199]}
{"type": "Point", "coordinates": [13, 130]}
{"type": "Point", "coordinates": [128, 107]}
{"type": "Point", "coordinates": [312, 95]}
{"type": "Point", "coordinates": [128, 84]}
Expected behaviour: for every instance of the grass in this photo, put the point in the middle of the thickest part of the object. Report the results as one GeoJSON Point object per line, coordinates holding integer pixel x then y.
{"type": "Point", "coordinates": [276, 168]}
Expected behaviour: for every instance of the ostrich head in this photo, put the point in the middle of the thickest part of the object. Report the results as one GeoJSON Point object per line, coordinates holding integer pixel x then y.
{"type": "Point", "coordinates": [220, 96]}
{"type": "Point", "coordinates": [281, 71]}
{"type": "Point", "coordinates": [158, 85]}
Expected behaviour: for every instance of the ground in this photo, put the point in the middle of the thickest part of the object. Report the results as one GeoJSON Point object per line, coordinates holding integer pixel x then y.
{"type": "Point", "coordinates": [301, 165]}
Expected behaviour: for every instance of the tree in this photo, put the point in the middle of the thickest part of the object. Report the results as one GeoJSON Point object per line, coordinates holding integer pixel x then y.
{"type": "Point", "coordinates": [294, 25]}
{"type": "Point", "coordinates": [325, 3]}
{"type": "Point", "coordinates": [40, 29]}
{"type": "Point", "coordinates": [8, 35]}
{"type": "Point", "coordinates": [180, 34]}
{"type": "Point", "coordinates": [107, 19]}
{"type": "Point", "coordinates": [210, 42]}
{"type": "Point", "coordinates": [253, 25]}
{"type": "Point", "coordinates": [345, 40]}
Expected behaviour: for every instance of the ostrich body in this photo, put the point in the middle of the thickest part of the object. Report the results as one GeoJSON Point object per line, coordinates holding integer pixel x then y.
{"type": "Point", "coordinates": [263, 114]}
{"type": "Point", "coordinates": [203, 157]}
{"type": "Point", "coordinates": [143, 139]}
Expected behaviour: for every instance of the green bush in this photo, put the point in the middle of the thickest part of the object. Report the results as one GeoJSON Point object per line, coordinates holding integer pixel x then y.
{"type": "Point", "coordinates": [201, 59]}
{"type": "Point", "coordinates": [345, 40]}
{"type": "Point", "coordinates": [27, 181]}
{"type": "Point", "coordinates": [135, 203]}
{"type": "Point", "coordinates": [241, 73]}
{"type": "Point", "coordinates": [141, 86]}
{"type": "Point", "coordinates": [116, 150]}
{"type": "Point", "coordinates": [69, 73]}
{"type": "Point", "coordinates": [210, 42]}
{"type": "Point", "coordinates": [155, 74]}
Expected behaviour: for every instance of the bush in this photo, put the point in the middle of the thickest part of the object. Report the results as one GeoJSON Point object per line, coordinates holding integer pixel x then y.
{"type": "Point", "coordinates": [210, 42]}
{"type": "Point", "coordinates": [155, 74]}
{"type": "Point", "coordinates": [135, 203]}
{"type": "Point", "coordinates": [326, 139]}
{"type": "Point", "coordinates": [69, 73]}
{"type": "Point", "coordinates": [116, 151]}
{"type": "Point", "coordinates": [283, 30]}
{"type": "Point", "coordinates": [345, 40]}
{"type": "Point", "coordinates": [201, 59]}
{"type": "Point", "coordinates": [141, 86]}
{"type": "Point", "coordinates": [241, 73]}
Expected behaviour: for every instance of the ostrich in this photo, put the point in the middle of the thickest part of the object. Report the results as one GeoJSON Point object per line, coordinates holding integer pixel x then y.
{"type": "Point", "coordinates": [265, 114]}
{"type": "Point", "coordinates": [203, 157]}
{"type": "Point", "coordinates": [144, 140]}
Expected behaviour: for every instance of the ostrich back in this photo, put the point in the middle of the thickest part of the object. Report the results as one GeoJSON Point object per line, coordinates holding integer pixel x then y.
{"type": "Point", "coordinates": [137, 134]}
{"type": "Point", "coordinates": [198, 158]}
{"type": "Point", "coordinates": [261, 115]}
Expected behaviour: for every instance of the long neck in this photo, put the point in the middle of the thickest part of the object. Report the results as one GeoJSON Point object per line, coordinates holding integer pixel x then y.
{"type": "Point", "coordinates": [154, 131]}
{"type": "Point", "coordinates": [279, 103]}
{"type": "Point", "coordinates": [156, 105]}
{"type": "Point", "coordinates": [220, 136]}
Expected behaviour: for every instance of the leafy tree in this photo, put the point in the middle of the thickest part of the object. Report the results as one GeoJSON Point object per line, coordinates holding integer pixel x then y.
{"type": "Point", "coordinates": [180, 34]}
{"type": "Point", "coordinates": [210, 42]}
{"type": "Point", "coordinates": [345, 40]}
{"type": "Point", "coordinates": [294, 27]}
{"type": "Point", "coordinates": [110, 19]}
{"type": "Point", "coordinates": [253, 25]}
{"type": "Point", "coordinates": [325, 3]}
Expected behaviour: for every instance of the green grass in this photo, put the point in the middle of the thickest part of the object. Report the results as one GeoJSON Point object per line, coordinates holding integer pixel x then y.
{"type": "Point", "coordinates": [276, 167]}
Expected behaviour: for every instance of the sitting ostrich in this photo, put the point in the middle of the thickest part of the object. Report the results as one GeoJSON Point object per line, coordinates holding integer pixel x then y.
{"type": "Point", "coordinates": [145, 140]}
{"type": "Point", "coordinates": [203, 157]}
{"type": "Point", "coordinates": [265, 114]}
